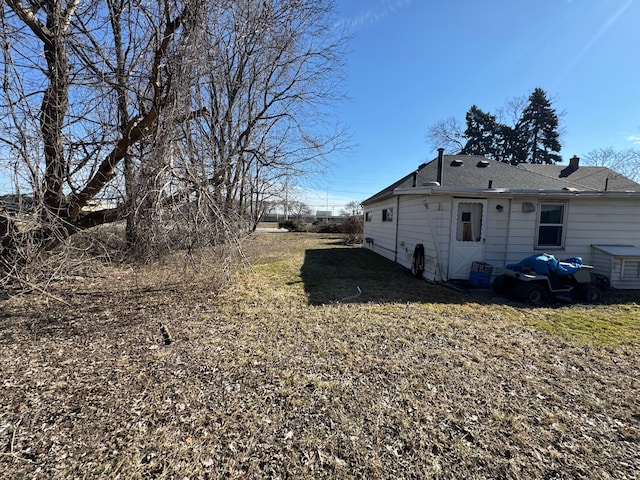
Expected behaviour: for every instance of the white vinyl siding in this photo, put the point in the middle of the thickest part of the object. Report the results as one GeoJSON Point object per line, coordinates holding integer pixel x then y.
{"type": "Point", "coordinates": [630, 269]}
{"type": "Point", "coordinates": [620, 264]}
{"type": "Point", "coordinates": [381, 233]}
{"type": "Point", "coordinates": [427, 225]}
{"type": "Point", "coordinates": [597, 222]}
{"type": "Point", "coordinates": [511, 231]}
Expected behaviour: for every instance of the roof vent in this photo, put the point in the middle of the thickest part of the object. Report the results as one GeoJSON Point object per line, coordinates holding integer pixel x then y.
{"type": "Point", "coordinates": [456, 163]}
{"type": "Point", "coordinates": [482, 164]}
{"type": "Point", "coordinates": [431, 184]}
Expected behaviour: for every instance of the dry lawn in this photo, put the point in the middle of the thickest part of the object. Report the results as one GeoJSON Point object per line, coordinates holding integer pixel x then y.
{"type": "Point", "coordinates": [291, 373]}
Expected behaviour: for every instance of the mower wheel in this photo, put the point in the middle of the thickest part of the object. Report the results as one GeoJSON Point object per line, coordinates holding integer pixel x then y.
{"type": "Point", "coordinates": [531, 293]}
{"type": "Point", "coordinates": [590, 293]}
{"type": "Point", "coordinates": [500, 285]}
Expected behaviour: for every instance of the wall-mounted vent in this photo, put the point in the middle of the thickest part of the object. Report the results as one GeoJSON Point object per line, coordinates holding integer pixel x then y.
{"type": "Point", "coordinates": [456, 163]}
{"type": "Point", "coordinates": [482, 164]}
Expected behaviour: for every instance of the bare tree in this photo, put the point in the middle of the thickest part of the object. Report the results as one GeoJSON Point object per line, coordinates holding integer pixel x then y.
{"type": "Point", "coordinates": [511, 112]}
{"type": "Point", "coordinates": [447, 134]}
{"type": "Point", "coordinates": [72, 173]}
{"type": "Point", "coordinates": [186, 112]}
{"type": "Point", "coordinates": [299, 210]}
{"type": "Point", "coordinates": [352, 208]}
{"type": "Point", "coordinates": [273, 66]}
{"type": "Point", "coordinates": [626, 162]}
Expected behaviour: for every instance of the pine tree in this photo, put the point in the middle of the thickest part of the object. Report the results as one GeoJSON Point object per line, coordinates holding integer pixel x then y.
{"type": "Point", "coordinates": [507, 144]}
{"type": "Point", "coordinates": [536, 133]}
{"type": "Point", "coordinates": [481, 133]}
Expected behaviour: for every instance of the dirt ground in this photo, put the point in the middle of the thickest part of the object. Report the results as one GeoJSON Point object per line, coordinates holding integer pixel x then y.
{"type": "Point", "coordinates": [290, 375]}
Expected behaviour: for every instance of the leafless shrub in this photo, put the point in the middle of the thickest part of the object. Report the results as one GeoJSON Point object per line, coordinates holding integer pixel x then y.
{"type": "Point", "coordinates": [352, 228]}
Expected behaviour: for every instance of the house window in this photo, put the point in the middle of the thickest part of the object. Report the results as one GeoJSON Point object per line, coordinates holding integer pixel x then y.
{"type": "Point", "coordinates": [387, 215]}
{"type": "Point", "coordinates": [551, 225]}
{"type": "Point", "coordinates": [367, 216]}
{"type": "Point", "coordinates": [469, 224]}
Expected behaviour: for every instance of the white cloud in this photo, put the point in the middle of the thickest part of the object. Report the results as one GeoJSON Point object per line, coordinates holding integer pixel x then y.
{"type": "Point", "coordinates": [374, 14]}
{"type": "Point", "coordinates": [635, 139]}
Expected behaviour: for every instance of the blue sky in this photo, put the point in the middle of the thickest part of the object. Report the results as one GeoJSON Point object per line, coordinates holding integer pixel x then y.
{"type": "Point", "coordinates": [412, 63]}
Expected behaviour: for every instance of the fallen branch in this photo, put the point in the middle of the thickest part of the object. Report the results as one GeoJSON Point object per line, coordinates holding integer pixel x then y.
{"type": "Point", "coordinates": [33, 286]}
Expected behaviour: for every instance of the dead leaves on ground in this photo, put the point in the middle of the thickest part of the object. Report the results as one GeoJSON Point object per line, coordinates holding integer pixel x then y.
{"type": "Point", "coordinates": [282, 389]}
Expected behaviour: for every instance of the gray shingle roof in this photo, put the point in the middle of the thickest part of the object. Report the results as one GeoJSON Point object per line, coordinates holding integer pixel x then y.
{"type": "Point", "coordinates": [475, 171]}
{"type": "Point", "coordinates": [596, 178]}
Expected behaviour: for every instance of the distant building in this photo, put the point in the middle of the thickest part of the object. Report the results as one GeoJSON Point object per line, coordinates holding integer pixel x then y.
{"type": "Point", "coordinates": [14, 204]}
{"type": "Point", "coordinates": [324, 215]}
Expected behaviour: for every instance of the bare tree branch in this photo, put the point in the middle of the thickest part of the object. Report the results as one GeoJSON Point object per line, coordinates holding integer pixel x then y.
{"type": "Point", "coordinates": [447, 134]}
{"type": "Point", "coordinates": [30, 19]}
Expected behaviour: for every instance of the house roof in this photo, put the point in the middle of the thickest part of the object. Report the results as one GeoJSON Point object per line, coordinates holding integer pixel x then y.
{"type": "Point", "coordinates": [597, 178]}
{"type": "Point", "coordinates": [476, 171]}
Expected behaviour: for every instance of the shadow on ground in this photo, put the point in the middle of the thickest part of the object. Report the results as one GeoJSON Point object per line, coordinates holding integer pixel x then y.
{"type": "Point", "coordinates": [358, 276]}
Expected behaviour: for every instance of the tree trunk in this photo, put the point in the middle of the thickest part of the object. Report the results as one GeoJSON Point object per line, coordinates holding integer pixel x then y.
{"type": "Point", "coordinates": [55, 103]}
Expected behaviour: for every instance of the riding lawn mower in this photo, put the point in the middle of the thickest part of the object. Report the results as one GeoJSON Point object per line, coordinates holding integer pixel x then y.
{"type": "Point", "coordinates": [542, 277]}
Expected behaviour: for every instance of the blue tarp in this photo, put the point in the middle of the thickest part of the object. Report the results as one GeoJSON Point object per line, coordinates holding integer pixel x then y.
{"type": "Point", "coordinates": [546, 264]}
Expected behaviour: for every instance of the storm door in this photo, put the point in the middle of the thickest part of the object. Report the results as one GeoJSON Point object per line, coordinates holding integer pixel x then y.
{"type": "Point", "coordinates": [467, 236]}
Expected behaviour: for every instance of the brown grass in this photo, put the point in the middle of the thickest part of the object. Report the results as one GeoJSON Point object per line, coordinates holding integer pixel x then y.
{"type": "Point", "coordinates": [291, 373]}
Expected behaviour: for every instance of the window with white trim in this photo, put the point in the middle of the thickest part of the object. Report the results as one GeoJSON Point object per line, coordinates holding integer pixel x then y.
{"type": "Point", "coordinates": [387, 215]}
{"type": "Point", "coordinates": [551, 225]}
{"type": "Point", "coordinates": [367, 216]}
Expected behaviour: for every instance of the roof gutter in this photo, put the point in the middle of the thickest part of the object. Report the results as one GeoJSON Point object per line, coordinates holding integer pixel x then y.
{"type": "Point", "coordinates": [434, 190]}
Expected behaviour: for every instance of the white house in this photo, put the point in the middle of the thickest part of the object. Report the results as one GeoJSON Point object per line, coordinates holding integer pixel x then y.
{"type": "Point", "coordinates": [460, 209]}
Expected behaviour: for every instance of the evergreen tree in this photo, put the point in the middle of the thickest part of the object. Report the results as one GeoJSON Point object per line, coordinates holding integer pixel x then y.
{"type": "Point", "coordinates": [536, 137]}
{"type": "Point", "coordinates": [481, 133]}
{"type": "Point", "coordinates": [507, 144]}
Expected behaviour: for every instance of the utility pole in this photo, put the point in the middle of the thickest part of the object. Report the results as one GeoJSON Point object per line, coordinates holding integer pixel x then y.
{"type": "Point", "coordinates": [286, 197]}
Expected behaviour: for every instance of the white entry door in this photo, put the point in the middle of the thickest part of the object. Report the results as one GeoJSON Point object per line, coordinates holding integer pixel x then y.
{"type": "Point", "coordinates": [467, 236]}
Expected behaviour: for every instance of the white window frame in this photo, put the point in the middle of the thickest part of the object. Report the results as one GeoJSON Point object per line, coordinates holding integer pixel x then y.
{"type": "Point", "coordinates": [562, 225]}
